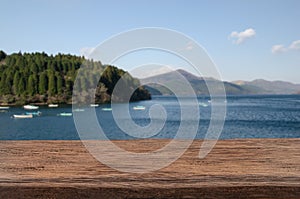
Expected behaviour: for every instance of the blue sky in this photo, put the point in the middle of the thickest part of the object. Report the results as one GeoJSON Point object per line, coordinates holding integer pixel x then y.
{"type": "Point", "coordinates": [69, 26]}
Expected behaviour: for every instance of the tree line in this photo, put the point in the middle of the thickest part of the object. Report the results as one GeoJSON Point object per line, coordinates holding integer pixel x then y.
{"type": "Point", "coordinates": [42, 78]}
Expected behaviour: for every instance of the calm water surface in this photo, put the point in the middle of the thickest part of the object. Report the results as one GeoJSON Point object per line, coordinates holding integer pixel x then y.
{"type": "Point", "coordinates": [247, 117]}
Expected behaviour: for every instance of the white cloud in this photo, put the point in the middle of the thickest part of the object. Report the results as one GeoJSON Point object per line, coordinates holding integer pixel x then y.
{"type": "Point", "coordinates": [86, 51]}
{"type": "Point", "coordinates": [295, 45]}
{"type": "Point", "coordinates": [240, 37]}
{"type": "Point", "coordinates": [278, 49]}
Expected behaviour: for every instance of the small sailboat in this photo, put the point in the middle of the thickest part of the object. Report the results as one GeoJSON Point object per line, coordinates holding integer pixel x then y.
{"type": "Point", "coordinates": [139, 108]}
{"type": "Point", "coordinates": [65, 114]}
{"type": "Point", "coordinates": [22, 116]}
{"type": "Point", "coordinates": [4, 107]}
{"type": "Point", "coordinates": [30, 107]}
{"type": "Point", "coordinates": [52, 105]}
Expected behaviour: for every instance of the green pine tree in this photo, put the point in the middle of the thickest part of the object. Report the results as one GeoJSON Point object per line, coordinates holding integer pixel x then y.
{"type": "Point", "coordinates": [43, 83]}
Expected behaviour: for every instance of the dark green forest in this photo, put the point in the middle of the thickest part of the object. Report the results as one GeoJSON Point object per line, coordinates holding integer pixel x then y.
{"type": "Point", "coordinates": [41, 78]}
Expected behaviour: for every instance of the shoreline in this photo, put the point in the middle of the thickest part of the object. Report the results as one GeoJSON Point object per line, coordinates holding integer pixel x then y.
{"type": "Point", "coordinates": [242, 168]}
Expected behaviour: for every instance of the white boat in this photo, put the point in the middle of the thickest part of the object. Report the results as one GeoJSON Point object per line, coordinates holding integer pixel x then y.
{"type": "Point", "coordinates": [4, 107]}
{"type": "Point", "coordinates": [216, 101]}
{"type": "Point", "coordinates": [139, 108]}
{"type": "Point", "coordinates": [65, 114]}
{"type": "Point", "coordinates": [106, 109]}
{"type": "Point", "coordinates": [94, 105]}
{"type": "Point", "coordinates": [23, 116]}
{"type": "Point", "coordinates": [52, 105]}
{"type": "Point", "coordinates": [203, 104]}
{"type": "Point", "coordinates": [37, 113]}
{"type": "Point", "coordinates": [78, 110]}
{"type": "Point", "coordinates": [30, 107]}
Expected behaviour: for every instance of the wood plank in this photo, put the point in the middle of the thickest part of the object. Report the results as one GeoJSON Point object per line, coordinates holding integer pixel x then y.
{"type": "Point", "coordinates": [267, 168]}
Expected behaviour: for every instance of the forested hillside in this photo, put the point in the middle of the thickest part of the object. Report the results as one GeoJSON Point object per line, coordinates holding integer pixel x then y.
{"type": "Point", "coordinates": [42, 78]}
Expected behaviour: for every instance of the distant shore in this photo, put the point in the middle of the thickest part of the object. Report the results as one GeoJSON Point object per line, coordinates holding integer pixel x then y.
{"type": "Point", "coordinates": [244, 168]}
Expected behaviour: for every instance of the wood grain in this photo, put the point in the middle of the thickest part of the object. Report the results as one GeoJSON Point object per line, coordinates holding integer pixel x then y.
{"type": "Point", "coordinates": [249, 168]}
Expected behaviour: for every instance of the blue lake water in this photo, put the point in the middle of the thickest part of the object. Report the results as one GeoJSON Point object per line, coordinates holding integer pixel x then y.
{"type": "Point", "coordinates": [246, 117]}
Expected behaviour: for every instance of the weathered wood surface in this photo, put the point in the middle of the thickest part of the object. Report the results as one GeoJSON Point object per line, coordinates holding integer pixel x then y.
{"type": "Point", "coordinates": [249, 168]}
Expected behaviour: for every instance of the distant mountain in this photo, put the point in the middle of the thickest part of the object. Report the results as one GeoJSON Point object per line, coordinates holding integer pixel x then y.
{"type": "Point", "coordinates": [154, 85]}
{"type": "Point", "coordinates": [273, 87]}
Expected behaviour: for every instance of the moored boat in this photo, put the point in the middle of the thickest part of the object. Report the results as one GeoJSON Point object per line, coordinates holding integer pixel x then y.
{"type": "Point", "coordinates": [78, 110]}
{"type": "Point", "coordinates": [106, 109]}
{"type": "Point", "coordinates": [37, 113]}
{"type": "Point", "coordinates": [203, 104]}
{"type": "Point", "coordinates": [52, 105]}
{"type": "Point", "coordinates": [4, 107]}
{"type": "Point", "coordinates": [30, 107]}
{"type": "Point", "coordinates": [22, 116]}
{"type": "Point", "coordinates": [139, 108]}
{"type": "Point", "coordinates": [65, 114]}
{"type": "Point", "coordinates": [94, 105]}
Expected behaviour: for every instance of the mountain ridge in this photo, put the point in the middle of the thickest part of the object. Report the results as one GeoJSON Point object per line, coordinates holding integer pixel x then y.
{"type": "Point", "coordinates": [275, 87]}
{"type": "Point", "coordinates": [257, 86]}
